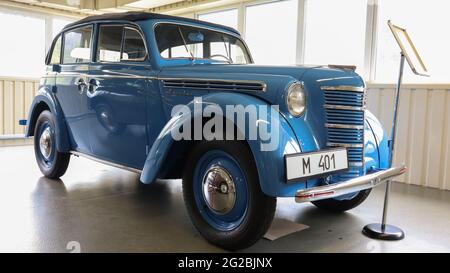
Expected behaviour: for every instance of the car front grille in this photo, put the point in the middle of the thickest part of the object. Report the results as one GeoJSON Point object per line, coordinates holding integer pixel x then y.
{"type": "Point", "coordinates": [344, 123]}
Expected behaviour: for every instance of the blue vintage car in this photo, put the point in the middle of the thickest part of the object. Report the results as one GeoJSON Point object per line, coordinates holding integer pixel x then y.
{"type": "Point", "coordinates": [121, 88]}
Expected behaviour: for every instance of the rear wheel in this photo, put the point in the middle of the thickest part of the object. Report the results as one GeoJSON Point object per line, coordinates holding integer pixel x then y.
{"type": "Point", "coordinates": [337, 205]}
{"type": "Point", "coordinates": [52, 163]}
{"type": "Point", "coordinates": [223, 196]}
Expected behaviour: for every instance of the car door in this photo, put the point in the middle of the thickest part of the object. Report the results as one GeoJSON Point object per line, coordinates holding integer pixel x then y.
{"type": "Point", "coordinates": [120, 81]}
{"type": "Point", "coordinates": [71, 84]}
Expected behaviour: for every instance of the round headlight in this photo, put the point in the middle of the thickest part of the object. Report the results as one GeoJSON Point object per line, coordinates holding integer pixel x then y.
{"type": "Point", "coordinates": [296, 99]}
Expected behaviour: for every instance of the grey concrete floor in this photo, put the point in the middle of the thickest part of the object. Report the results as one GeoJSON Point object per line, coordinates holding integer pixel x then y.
{"type": "Point", "coordinates": [104, 209]}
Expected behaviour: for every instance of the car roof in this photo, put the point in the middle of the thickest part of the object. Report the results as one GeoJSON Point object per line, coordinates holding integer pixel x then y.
{"type": "Point", "coordinates": [139, 16]}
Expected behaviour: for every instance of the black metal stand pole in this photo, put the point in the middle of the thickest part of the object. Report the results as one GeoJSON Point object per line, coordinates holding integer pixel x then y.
{"type": "Point", "coordinates": [384, 231]}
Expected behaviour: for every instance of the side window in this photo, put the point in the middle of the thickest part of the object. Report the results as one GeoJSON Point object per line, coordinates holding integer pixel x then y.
{"type": "Point", "coordinates": [77, 45]}
{"type": "Point", "coordinates": [56, 53]}
{"type": "Point", "coordinates": [133, 46]}
{"type": "Point", "coordinates": [109, 41]}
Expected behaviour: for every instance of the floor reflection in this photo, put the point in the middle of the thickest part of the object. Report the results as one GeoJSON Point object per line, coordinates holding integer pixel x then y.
{"type": "Point", "coordinates": [108, 210]}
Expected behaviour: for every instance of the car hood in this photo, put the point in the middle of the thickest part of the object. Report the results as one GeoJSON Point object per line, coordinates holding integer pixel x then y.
{"type": "Point", "coordinates": [275, 78]}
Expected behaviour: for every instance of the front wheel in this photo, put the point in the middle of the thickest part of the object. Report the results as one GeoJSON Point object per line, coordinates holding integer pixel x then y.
{"type": "Point", "coordinates": [52, 163]}
{"type": "Point", "coordinates": [336, 205]}
{"type": "Point", "coordinates": [223, 196]}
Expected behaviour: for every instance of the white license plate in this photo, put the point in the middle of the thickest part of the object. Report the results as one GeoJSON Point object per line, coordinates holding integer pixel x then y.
{"type": "Point", "coordinates": [315, 164]}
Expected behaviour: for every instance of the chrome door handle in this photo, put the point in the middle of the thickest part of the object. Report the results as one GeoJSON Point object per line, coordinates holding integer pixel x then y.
{"type": "Point", "coordinates": [81, 84]}
{"type": "Point", "coordinates": [93, 85]}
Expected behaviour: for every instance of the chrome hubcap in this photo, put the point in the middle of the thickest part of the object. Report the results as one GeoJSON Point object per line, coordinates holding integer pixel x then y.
{"type": "Point", "coordinates": [45, 143]}
{"type": "Point", "coordinates": [219, 190]}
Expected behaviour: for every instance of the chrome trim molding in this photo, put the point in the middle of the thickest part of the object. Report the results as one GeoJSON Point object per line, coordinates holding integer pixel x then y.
{"type": "Point", "coordinates": [344, 107]}
{"type": "Point", "coordinates": [120, 76]}
{"type": "Point", "coordinates": [344, 126]}
{"type": "Point", "coordinates": [355, 164]}
{"type": "Point", "coordinates": [349, 186]}
{"type": "Point", "coordinates": [205, 80]}
{"type": "Point", "coordinates": [73, 74]}
{"type": "Point", "coordinates": [343, 66]}
{"type": "Point", "coordinates": [105, 162]}
{"type": "Point", "coordinates": [344, 88]}
{"type": "Point", "coordinates": [346, 145]}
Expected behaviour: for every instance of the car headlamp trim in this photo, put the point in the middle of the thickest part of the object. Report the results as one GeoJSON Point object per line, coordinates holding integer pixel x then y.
{"type": "Point", "coordinates": [296, 99]}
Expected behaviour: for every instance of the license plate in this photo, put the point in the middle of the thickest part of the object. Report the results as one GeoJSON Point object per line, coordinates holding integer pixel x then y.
{"type": "Point", "coordinates": [315, 164]}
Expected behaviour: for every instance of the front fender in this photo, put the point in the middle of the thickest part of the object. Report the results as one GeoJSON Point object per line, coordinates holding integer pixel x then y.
{"type": "Point", "coordinates": [379, 138]}
{"type": "Point", "coordinates": [47, 99]}
{"type": "Point", "coordinates": [270, 164]}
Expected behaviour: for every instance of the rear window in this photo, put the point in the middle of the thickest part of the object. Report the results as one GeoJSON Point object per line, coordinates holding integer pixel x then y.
{"type": "Point", "coordinates": [77, 45]}
{"type": "Point", "coordinates": [56, 53]}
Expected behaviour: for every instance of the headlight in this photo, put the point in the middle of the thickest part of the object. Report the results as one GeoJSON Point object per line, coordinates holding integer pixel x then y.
{"type": "Point", "coordinates": [296, 99]}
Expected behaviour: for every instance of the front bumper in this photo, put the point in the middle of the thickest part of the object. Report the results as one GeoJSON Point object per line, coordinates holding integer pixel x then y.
{"type": "Point", "coordinates": [349, 186]}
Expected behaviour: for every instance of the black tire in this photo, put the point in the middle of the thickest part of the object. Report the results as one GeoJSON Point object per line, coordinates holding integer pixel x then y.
{"type": "Point", "coordinates": [260, 209]}
{"type": "Point", "coordinates": [342, 205]}
{"type": "Point", "coordinates": [56, 164]}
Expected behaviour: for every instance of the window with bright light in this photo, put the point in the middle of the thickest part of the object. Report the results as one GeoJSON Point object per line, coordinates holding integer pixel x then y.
{"type": "Point", "coordinates": [77, 45]}
{"type": "Point", "coordinates": [58, 25]}
{"type": "Point", "coordinates": [271, 32]}
{"type": "Point", "coordinates": [226, 17]}
{"type": "Point", "coordinates": [427, 28]}
{"type": "Point", "coordinates": [335, 32]}
{"type": "Point", "coordinates": [22, 51]}
{"type": "Point", "coordinates": [179, 41]}
{"type": "Point", "coordinates": [56, 53]}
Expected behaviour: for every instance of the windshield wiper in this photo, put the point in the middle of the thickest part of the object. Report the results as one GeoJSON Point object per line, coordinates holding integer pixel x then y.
{"type": "Point", "coordinates": [185, 45]}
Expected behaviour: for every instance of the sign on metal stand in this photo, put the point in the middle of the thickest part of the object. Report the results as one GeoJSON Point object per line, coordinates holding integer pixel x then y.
{"type": "Point", "coordinates": [409, 52]}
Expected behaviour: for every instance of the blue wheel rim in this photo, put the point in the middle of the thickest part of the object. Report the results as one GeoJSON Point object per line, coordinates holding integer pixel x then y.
{"type": "Point", "coordinates": [47, 162]}
{"type": "Point", "coordinates": [232, 219]}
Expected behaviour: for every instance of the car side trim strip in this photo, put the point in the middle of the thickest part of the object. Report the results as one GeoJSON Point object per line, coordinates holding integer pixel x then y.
{"type": "Point", "coordinates": [344, 126]}
{"type": "Point", "coordinates": [343, 88]}
{"type": "Point", "coordinates": [106, 162]}
{"type": "Point", "coordinates": [344, 107]}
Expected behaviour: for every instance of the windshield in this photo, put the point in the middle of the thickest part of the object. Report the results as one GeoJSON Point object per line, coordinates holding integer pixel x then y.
{"type": "Point", "coordinates": [179, 41]}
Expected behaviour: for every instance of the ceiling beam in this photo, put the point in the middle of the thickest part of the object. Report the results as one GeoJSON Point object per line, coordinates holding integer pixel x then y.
{"type": "Point", "coordinates": [82, 8]}
{"type": "Point", "coordinates": [193, 6]}
{"type": "Point", "coordinates": [39, 8]}
{"type": "Point", "coordinates": [182, 5]}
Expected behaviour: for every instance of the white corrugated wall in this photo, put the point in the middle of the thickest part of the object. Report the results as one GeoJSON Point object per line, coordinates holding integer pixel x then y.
{"type": "Point", "coordinates": [16, 96]}
{"type": "Point", "coordinates": [423, 136]}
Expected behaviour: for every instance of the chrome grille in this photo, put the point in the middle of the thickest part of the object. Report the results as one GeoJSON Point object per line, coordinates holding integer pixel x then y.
{"type": "Point", "coordinates": [344, 115]}
{"type": "Point", "coordinates": [215, 84]}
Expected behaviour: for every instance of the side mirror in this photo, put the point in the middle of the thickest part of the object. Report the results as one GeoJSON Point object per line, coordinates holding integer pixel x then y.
{"type": "Point", "coordinates": [56, 68]}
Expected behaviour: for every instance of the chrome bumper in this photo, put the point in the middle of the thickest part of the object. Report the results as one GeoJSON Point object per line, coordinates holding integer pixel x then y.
{"type": "Point", "coordinates": [349, 186]}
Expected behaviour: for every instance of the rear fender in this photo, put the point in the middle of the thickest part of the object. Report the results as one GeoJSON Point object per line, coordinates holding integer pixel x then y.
{"type": "Point", "coordinates": [45, 99]}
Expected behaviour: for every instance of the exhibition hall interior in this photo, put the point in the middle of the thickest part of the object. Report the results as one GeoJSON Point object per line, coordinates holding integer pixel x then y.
{"type": "Point", "coordinates": [215, 126]}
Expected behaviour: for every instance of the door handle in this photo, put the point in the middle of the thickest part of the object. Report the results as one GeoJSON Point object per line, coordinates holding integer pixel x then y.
{"type": "Point", "coordinates": [81, 84]}
{"type": "Point", "coordinates": [93, 85]}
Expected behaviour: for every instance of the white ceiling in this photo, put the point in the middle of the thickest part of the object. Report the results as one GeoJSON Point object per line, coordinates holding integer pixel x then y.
{"type": "Point", "coordinates": [88, 7]}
